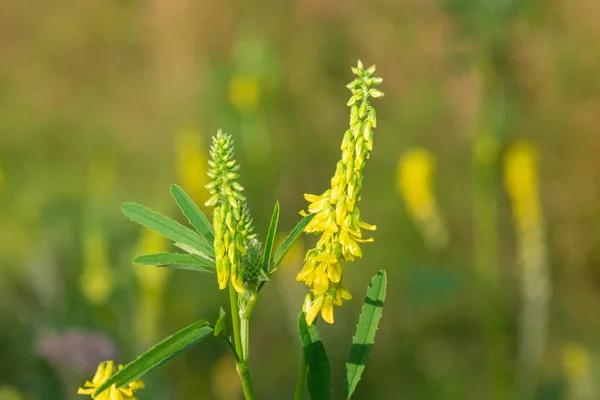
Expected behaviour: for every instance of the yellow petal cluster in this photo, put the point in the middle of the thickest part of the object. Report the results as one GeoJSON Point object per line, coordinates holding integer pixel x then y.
{"type": "Point", "coordinates": [104, 371]}
{"type": "Point", "coordinates": [336, 217]}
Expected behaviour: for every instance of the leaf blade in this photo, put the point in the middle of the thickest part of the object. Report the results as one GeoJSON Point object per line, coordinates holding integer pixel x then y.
{"type": "Point", "coordinates": [176, 261]}
{"type": "Point", "coordinates": [220, 324]}
{"type": "Point", "coordinates": [193, 213]}
{"type": "Point", "coordinates": [363, 340]}
{"type": "Point", "coordinates": [290, 239]}
{"type": "Point", "coordinates": [318, 378]}
{"type": "Point", "coordinates": [166, 227]}
{"type": "Point", "coordinates": [270, 238]}
{"type": "Point", "coordinates": [158, 355]}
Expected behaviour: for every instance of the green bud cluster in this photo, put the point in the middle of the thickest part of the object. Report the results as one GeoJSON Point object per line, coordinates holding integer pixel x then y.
{"type": "Point", "coordinates": [232, 221]}
{"type": "Point", "coordinates": [252, 262]}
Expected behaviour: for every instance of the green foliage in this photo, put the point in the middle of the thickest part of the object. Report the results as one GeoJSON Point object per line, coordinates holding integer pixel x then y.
{"type": "Point", "coordinates": [220, 324]}
{"type": "Point", "coordinates": [177, 261]}
{"type": "Point", "coordinates": [364, 338]}
{"type": "Point", "coordinates": [193, 213]}
{"type": "Point", "coordinates": [270, 239]}
{"type": "Point", "coordinates": [168, 228]}
{"type": "Point", "coordinates": [319, 369]}
{"type": "Point", "coordinates": [158, 355]}
{"type": "Point", "coordinates": [290, 239]}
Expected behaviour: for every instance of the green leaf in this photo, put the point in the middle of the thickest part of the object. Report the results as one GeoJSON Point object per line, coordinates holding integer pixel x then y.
{"type": "Point", "coordinates": [177, 261]}
{"type": "Point", "coordinates": [318, 378]}
{"type": "Point", "coordinates": [220, 324]}
{"type": "Point", "coordinates": [195, 252]}
{"type": "Point", "coordinates": [289, 240]}
{"type": "Point", "coordinates": [193, 213]}
{"type": "Point", "coordinates": [270, 238]}
{"type": "Point", "coordinates": [166, 227]}
{"type": "Point", "coordinates": [158, 355]}
{"type": "Point", "coordinates": [362, 342]}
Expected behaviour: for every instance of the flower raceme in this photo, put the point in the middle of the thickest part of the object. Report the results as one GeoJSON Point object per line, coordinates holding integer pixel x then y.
{"type": "Point", "coordinates": [337, 217]}
{"type": "Point", "coordinates": [232, 222]}
{"type": "Point", "coordinates": [104, 371]}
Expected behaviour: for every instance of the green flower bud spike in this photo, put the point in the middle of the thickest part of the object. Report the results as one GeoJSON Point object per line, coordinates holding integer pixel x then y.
{"type": "Point", "coordinates": [232, 221]}
{"type": "Point", "coordinates": [337, 216]}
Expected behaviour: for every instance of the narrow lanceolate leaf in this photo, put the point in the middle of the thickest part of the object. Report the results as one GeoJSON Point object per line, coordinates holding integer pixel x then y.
{"type": "Point", "coordinates": [158, 355]}
{"type": "Point", "coordinates": [290, 239]}
{"type": "Point", "coordinates": [365, 332]}
{"type": "Point", "coordinates": [318, 378]}
{"type": "Point", "coordinates": [166, 227]}
{"type": "Point", "coordinates": [270, 238]}
{"type": "Point", "coordinates": [220, 324]}
{"type": "Point", "coordinates": [193, 213]}
{"type": "Point", "coordinates": [177, 261]}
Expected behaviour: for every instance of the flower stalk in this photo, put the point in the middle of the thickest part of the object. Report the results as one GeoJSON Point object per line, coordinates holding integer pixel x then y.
{"type": "Point", "coordinates": [337, 216]}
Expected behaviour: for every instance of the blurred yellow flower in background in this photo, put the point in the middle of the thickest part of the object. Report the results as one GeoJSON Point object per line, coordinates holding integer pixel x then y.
{"type": "Point", "coordinates": [105, 371]}
{"type": "Point", "coordinates": [521, 184]}
{"type": "Point", "coordinates": [151, 282]}
{"type": "Point", "coordinates": [244, 92]}
{"type": "Point", "coordinates": [415, 182]}
{"type": "Point", "coordinates": [192, 164]}
{"type": "Point", "coordinates": [96, 279]}
{"type": "Point", "coordinates": [577, 368]}
{"type": "Point", "coordinates": [520, 180]}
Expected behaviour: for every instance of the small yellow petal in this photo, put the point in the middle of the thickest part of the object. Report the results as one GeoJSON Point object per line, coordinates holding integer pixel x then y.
{"type": "Point", "coordinates": [327, 311]}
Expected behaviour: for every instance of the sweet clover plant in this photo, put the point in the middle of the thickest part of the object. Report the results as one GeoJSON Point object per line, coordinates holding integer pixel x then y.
{"type": "Point", "coordinates": [229, 248]}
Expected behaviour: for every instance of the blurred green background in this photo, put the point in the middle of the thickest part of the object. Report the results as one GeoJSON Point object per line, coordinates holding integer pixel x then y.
{"type": "Point", "coordinates": [483, 184]}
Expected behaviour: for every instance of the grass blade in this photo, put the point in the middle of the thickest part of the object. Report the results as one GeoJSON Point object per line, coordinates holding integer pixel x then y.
{"type": "Point", "coordinates": [158, 355]}
{"type": "Point", "coordinates": [270, 239]}
{"type": "Point", "coordinates": [166, 227]}
{"type": "Point", "coordinates": [177, 261]}
{"type": "Point", "coordinates": [290, 239]}
{"type": "Point", "coordinates": [362, 342]}
{"type": "Point", "coordinates": [318, 378]}
{"type": "Point", "coordinates": [193, 213]}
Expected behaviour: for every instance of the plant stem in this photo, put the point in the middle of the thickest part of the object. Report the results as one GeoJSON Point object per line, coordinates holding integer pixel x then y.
{"type": "Point", "coordinates": [301, 379]}
{"type": "Point", "coordinates": [240, 337]}
{"type": "Point", "coordinates": [235, 320]}
{"type": "Point", "coordinates": [244, 374]}
{"type": "Point", "coordinates": [245, 315]}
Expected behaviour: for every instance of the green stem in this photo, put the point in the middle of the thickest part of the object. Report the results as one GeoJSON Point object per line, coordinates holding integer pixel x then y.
{"type": "Point", "coordinates": [240, 337]}
{"type": "Point", "coordinates": [244, 374]}
{"type": "Point", "coordinates": [245, 315]}
{"type": "Point", "coordinates": [301, 379]}
{"type": "Point", "coordinates": [235, 320]}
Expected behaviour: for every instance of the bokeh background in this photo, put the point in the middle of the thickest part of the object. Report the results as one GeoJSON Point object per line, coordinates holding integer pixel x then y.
{"type": "Point", "coordinates": [484, 184]}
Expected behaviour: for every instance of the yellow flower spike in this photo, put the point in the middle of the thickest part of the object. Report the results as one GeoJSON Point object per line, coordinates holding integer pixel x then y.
{"type": "Point", "coordinates": [520, 180]}
{"type": "Point", "coordinates": [415, 183]}
{"type": "Point", "coordinates": [105, 371]}
{"type": "Point", "coordinates": [415, 171]}
{"type": "Point", "coordinates": [232, 222]}
{"type": "Point", "coordinates": [336, 216]}
{"type": "Point", "coordinates": [96, 279]}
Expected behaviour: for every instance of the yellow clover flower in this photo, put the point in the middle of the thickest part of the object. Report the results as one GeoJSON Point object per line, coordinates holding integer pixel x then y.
{"type": "Point", "coordinates": [104, 371]}
{"type": "Point", "coordinates": [337, 218]}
